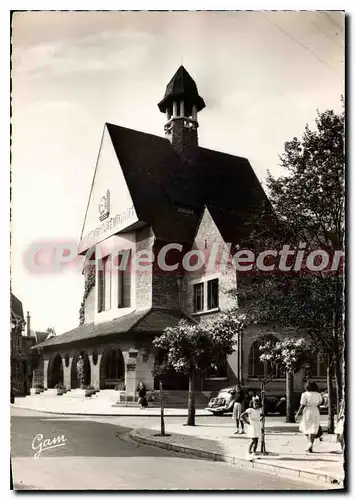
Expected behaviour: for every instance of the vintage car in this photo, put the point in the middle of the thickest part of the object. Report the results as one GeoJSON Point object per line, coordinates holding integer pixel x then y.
{"type": "Point", "coordinates": [224, 401]}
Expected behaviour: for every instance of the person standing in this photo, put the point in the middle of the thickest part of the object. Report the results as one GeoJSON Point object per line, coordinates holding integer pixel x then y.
{"type": "Point", "coordinates": [309, 407]}
{"type": "Point", "coordinates": [142, 395]}
{"type": "Point", "coordinates": [252, 416]}
{"type": "Point", "coordinates": [339, 429]}
{"type": "Point", "coordinates": [238, 408]}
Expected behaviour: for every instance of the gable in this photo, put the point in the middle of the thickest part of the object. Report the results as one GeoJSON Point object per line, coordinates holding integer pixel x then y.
{"type": "Point", "coordinates": [169, 192]}
{"type": "Point", "coordinates": [209, 241]}
{"type": "Point", "coordinates": [110, 208]}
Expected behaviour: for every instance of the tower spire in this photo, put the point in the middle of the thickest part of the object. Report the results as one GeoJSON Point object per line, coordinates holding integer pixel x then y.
{"type": "Point", "coordinates": [181, 104]}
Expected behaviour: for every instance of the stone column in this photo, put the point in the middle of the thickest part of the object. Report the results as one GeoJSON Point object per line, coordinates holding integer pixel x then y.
{"type": "Point", "coordinates": [131, 381]}
{"type": "Point", "coordinates": [67, 372]}
{"type": "Point", "coordinates": [182, 108]}
{"type": "Point", "coordinates": [194, 113]}
{"type": "Point", "coordinates": [45, 373]}
{"type": "Point", "coordinates": [95, 369]}
{"type": "Point", "coordinates": [144, 366]}
{"type": "Point", "coordinates": [174, 109]}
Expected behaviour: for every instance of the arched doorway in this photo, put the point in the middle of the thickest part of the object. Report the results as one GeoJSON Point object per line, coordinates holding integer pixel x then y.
{"type": "Point", "coordinates": [55, 371]}
{"type": "Point", "coordinates": [112, 369]}
{"type": "Point", "coordinates": [74, 382]}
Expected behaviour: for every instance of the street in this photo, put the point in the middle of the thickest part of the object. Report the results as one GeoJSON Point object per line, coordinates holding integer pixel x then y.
{"type": "Point", "coordinates": [94, 453]}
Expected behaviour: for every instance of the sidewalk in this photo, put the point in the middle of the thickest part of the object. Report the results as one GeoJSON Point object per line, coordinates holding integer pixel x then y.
{"type": "Point", "coordinates": [94, 407]}
{"type": "Point", "coordinates": [287, 455]}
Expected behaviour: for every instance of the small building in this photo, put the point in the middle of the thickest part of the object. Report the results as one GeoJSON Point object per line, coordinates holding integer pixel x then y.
{"type": "Point", "coordinates": [22, 356]}
{"type": "Point", "coordinates": [162, 201]}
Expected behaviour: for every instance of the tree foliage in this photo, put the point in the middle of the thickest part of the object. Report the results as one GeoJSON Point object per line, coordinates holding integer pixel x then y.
{"type": "Point", "coordinates": [289, 353]}
{"type": "Point", "coordinates": [308, 205]}
{"type": "Point", "coordinates": [189, 346]}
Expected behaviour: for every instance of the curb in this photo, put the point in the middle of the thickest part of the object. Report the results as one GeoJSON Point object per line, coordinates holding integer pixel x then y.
{"type": "Point", "coordinates": [22, 407]}
{"type": "Point", "coordinates": [257, 465]}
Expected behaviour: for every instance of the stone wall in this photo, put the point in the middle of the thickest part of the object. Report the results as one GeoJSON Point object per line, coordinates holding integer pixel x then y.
{"type": "Point", "coordinates": [144, 241]}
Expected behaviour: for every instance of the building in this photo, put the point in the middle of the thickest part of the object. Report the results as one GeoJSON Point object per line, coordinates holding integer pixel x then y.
{"type": "Point", "coordinates": [23, 358]}
{"type": "Point", "coordinates": [158, 196]}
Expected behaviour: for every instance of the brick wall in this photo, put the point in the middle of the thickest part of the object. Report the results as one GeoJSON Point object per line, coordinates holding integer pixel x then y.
{"type": "Point", "coordinates": [144, 241]}
{"type": "Point", "coordinates": [165, 292]}
{"type": "Point", "coordinates": [183, 138]}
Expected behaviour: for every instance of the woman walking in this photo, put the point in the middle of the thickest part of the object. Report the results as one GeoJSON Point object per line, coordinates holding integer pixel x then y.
{"type": "Point", "coordinates": [309, 407]}
{"type": "Point", "coordinates": [238, 408]}
{"type": "Point", "coordinates": [142, 393]}
{"type": "Point", "coordinates": [252, 416]}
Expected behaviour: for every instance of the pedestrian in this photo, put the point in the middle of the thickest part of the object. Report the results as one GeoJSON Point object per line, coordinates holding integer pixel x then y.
{"type": "Point", "coordinates": [252, 416]}
{"type": "Point", "coordinates": [238, 408]}
{"type": "Point", "coordinates": [309, 407]}
{"type": "Point", "coordinates": [339, 429]}
{"type": "Point", "coordinates": [142, 395]}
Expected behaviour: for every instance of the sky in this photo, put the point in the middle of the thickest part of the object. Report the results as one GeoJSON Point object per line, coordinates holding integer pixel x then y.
{"type": "Point", "coordinates": [263, 76]}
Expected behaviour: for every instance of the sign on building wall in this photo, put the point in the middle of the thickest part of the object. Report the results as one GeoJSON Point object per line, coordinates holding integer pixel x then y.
{"type": "Point", "coordinates": [110, 208]}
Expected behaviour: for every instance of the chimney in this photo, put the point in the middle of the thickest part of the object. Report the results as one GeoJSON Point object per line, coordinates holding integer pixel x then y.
{"type": "Point", "coordinates": [28, 324]}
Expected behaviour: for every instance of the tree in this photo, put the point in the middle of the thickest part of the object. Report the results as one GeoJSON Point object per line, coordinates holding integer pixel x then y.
{"type": "Point", "coordinates": [191, 348]}
{"type": "Point", "coordinates": [311, 201]}
{"type": "Point", "coordinates": [290, 354]}
{"type": "Point", "coordinates": [308, 207]}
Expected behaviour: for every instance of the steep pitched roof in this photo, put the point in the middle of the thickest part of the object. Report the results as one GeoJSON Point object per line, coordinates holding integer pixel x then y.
{"type": "Point", "coordinates": [16, 306]}
{"type": "Point", "coordinates": [169, 191]}
{"type": "Point", "coordinates": [40, 336]}
{"type": "Point", "coordinates": [152, 320]}
{"type": "Point", "coordinates": [184, 87]}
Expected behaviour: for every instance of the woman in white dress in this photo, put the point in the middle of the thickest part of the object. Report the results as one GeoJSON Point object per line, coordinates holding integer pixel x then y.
{"type": "Point", "coordinates": [309, 407]}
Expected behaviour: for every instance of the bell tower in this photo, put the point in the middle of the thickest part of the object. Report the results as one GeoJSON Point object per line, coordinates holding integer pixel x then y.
{"type": "Point", "coordinates": [181, 104]}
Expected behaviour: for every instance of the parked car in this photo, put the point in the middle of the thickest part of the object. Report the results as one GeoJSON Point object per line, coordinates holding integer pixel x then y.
{"type": "Point", "coordinates": [224, 401]}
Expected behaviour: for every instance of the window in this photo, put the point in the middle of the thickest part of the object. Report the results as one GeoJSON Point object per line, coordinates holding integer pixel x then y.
{"type": "Point", "coordinates": [257, 368]}
{"type": "Point", "coordinates": [205, 296]}
{"type": "Point", "coordinates": [198, 297]}
{"type": "Point", "coordinates": [315, 367]}
{"type": "Point", "coordinates": [104, 285]}
{"type": "Point", "coordinates": [212, 294]}
{"type": "Point", "coordinates": [124, 280]}
{"type": "Point", "coordinates": [217, 371]}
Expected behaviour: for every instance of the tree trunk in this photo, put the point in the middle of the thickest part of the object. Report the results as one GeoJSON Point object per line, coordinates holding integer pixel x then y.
{"type": "Point", "coordinates": [191, 400]}
{"type": "Point", "coordinates": [290, 414]}
{"type": "Point", "coordinates": [330, 399]}
{"type": "Point", "coordinates": [162, 424]}
{"type": "Point", "coordinates": [336, 329]}
{"type": "Point", "coordinates": [262, 439]}
{"type": "Point", "coordinates": [338, 381]}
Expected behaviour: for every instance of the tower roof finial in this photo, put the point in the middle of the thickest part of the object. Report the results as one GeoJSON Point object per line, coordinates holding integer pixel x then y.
{"type": "Point", "coordinates": [181, 86]}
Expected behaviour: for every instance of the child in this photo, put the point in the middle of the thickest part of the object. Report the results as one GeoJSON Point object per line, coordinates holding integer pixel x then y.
{"type": "Point", "coordinates": [252, 416]}
{"type": "Point", "coordinates": [339, 430]}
